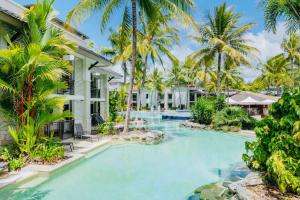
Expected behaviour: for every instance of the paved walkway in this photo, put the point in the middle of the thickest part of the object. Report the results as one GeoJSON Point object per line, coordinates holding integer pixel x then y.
{"type": "Point", "coordinates": [81, 148]}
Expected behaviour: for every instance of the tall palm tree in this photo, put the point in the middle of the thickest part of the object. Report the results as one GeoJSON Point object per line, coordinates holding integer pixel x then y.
{"type": "Point", "coordinates": [176, 79]}
{"type": "Point", "coordinates": [156, 83]}
{"type": "Point", "coordinates": [149, 7]}
{"type": "Point", "coordinates": [275, 73]}
{"type": "Point", "coordinates": [119, 40]}
{"type": "Point", "coordinates": [288, 9]}
{"type": "Point", "coordinates": [31, 68]}
{"type": "Point", "coordinates": [231, 77]}
{"type": "Point", "coordinates": [223, 38]}
{"type": "Point", "coordinates": [200, 66]}
{"type": "Point", "coordinates": [291, 46]}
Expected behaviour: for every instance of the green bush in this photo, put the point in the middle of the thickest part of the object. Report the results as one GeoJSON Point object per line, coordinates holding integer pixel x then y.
{"type": "Point", "coordinates": [202, 111]}
{"type": "Point", "coordinates": [107, 128]}
{"type": "Point", "coordinates": [233, 119]}
{"type": "Point", "coordinates": [114, 102]}
{"type": "Point", "coordinates": [276, 150]}
{"type": "Point", "coordinates": [48, 150]}
{"type": "Point", "coordinates": [220, 103]}
{"type": "Point", "coordinates": [13, 163]}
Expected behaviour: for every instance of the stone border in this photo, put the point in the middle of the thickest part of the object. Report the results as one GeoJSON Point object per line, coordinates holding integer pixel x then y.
{"type": "Point", "coordinates": [193, 125]}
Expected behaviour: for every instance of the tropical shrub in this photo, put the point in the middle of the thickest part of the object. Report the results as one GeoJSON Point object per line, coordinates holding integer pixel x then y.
{"type": "Point", "coordinates": [276, 150]}
{"type": "Point", "coordinates": [219, 103]}
{"type": "Point", "coordinates": [13, 163]}
{"type": "Point", "coordinates": [48, 150]}
{"type": "Point", "coordinates": [31, 68]}
{"type": "Point", "coordinates": [119, 119]}
{"type": "Point", "coordinates": [114, 102]}
{"type": "Point", "coordinates": [233, 119]}
{"type": "Point", "coordinates": [106, 128]}
{"type": "Point", "coordinates": [202, 111]}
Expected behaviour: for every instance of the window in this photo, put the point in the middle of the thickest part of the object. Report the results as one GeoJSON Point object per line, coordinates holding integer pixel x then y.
{"type": "Point", "coordinates": [134, 97]}
{"type": "Point", "coordinates": [192, 97]}
{"type": "Point", "coordinates": [147, 96]}
{"type": "Point", "coordinates": [169, 96]}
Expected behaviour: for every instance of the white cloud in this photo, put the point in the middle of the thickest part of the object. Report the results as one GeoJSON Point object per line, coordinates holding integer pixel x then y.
{"type": "Point", "coordinates": [268, 44]}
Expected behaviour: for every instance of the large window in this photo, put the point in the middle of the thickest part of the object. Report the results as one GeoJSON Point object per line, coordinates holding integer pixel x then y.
{"type": "Point", "coordinates": [95, 86]}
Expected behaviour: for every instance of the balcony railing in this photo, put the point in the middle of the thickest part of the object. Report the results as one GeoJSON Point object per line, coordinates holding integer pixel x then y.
{"type": "Point", "coordinates": [95, 93]}
{"type": "Point", "coordinates": [69, 90]}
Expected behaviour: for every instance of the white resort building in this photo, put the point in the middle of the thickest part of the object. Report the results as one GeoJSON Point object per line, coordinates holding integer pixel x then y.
{"type": "Point", "coordinates": [87, 93]}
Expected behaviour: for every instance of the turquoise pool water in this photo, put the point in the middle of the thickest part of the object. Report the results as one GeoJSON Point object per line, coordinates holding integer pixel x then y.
{"type": "Point", "coordinates": [168, 171]}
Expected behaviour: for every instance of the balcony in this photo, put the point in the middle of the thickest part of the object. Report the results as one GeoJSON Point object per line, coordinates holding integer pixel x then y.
{"type": "Point", "coordinates": [69, 90]}
{"type": "Point", "coordinates": [95, 93]}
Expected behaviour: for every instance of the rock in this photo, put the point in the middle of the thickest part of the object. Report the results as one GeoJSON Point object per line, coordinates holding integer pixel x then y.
{"type": "Point", "coordinates": [235, 197]}
{"type": "Point", "coordinates": [213, 191]}
{"type": "Point", "coordinates": [194, 125]}
{"type": "Point", "coordinates": [244, 194]}
{"type": "Point", "coordinates": [194, 197]}
{"type": "Point", "coordinates": [254, 178]}
{"type": "Point", "coordinates": [251, 179]}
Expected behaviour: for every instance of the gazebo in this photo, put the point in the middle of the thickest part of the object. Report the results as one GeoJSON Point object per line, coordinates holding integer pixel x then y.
{"type": "Point", "coordinates": [256, 104]}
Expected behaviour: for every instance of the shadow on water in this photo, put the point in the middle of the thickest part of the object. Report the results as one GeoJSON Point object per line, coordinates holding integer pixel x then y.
{"type": "Point", "coordinates": [24, 194]}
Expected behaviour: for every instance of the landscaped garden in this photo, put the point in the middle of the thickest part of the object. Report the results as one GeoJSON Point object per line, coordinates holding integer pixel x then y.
{"type": "Point", "coordinates": [147, 157]}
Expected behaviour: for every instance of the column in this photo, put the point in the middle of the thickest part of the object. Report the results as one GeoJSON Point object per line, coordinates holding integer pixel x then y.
{"type": "Point", "coordinates": [104, 95]}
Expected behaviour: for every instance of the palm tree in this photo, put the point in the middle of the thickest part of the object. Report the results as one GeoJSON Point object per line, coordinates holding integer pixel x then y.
{"type": "Point", "coordinates": [32, 67]}
{"type": "Point", "coordinates": [119, 40]}
{"type": "Point", "coordinates": [156, 83]}
{"type": "Point", "coordinates": [149, 7]}
{"type": "Point", "coordinates": [231, 77]}
{"type": "Point", "coordinates": [176, 79]}
{"type": "Point", "coordinates": [222, 38]}
{"type": "Point", "coordinates": [291, 46]}
{"type": "Point", "coordinates": [288, 9]}
{"type": "Point", "coordinates": [200, 67]}
{"type": "Point", "coordinates": [275, 73]}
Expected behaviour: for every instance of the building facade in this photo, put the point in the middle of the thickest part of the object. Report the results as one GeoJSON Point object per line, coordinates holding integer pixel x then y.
{"type": "Point", "coordinates": [87, 94]}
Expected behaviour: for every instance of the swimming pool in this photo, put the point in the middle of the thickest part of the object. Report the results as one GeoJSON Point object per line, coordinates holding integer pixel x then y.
{"type": "Point", "coordinates": [168, 171]}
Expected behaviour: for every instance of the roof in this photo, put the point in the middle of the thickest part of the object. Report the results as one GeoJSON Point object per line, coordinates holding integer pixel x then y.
{"type": "Point", "coordinates": [93, 55]}
{"type": "Point", "coordinates": [106, 70]}
{"type": "Point", "coordinates": [251, 98]}
{"type": "Point", "coordinates": [15, 11]}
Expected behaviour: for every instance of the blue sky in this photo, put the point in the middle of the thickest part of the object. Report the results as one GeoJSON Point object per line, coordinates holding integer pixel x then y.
{"type": "Point", "coordinates": [248, 8]}
{"type": "Point", "coordinates": [267, 43]}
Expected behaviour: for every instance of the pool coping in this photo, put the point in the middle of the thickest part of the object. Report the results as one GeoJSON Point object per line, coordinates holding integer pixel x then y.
{"type": "Point", "coordinates": [32, 170]}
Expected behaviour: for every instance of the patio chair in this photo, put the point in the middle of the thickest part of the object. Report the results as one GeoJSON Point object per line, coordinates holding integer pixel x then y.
{"type": "Point", "coordinates": [70, 144]}
{"type": "Point", "coordinates": [80, 133]}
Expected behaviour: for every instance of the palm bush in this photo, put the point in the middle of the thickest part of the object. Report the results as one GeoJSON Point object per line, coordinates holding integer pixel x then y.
{"type": "Point", "coordinates": [202, 111]}
{"type": "Point", "coordinates": [277, 148]}
{"type": "Point", "coordinates": [30, 71]}
{"type": "Point", "coordinates": [233, 119]}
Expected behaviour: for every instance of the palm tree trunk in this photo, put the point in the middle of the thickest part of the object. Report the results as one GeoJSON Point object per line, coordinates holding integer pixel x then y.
{"type": "Point", "coordinates": [144, 77]}
{"type": "Point", "coordinates": [125, 72]}
{"type": "Point", "coordinates": [134, 49]}
{"type": "Point", "coordinates": [219, 74]}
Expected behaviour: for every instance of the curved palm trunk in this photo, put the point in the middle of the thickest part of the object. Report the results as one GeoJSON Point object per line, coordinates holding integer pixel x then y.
{"type": "Point", "coordinates": [134, 49]}
{"type": "Point", "coordinates": [125, 72]}
{"type": "Point", "coordinates": [219, 74]}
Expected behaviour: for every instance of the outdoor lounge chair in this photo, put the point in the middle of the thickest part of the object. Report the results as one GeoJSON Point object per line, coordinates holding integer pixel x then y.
{"type": "Point", "coordinates": [70, 144]}
{"type": "Point", "coordinates": [80, 133]}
